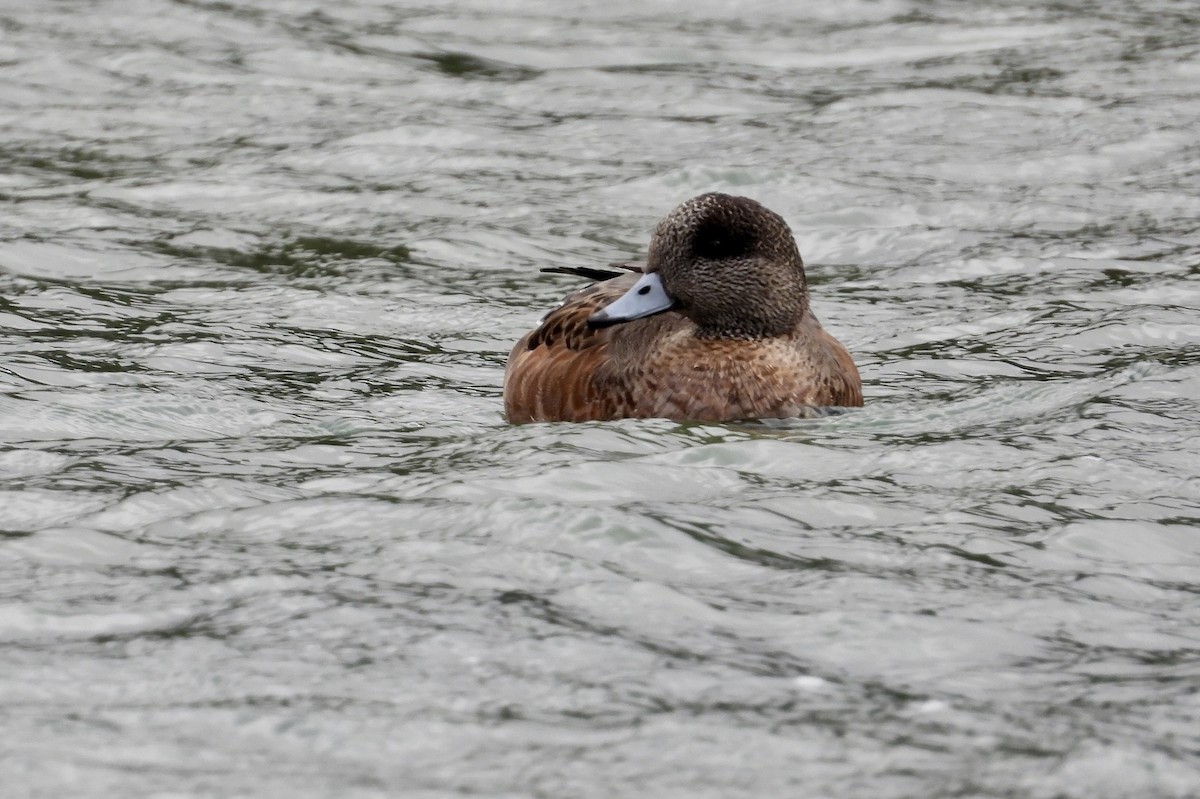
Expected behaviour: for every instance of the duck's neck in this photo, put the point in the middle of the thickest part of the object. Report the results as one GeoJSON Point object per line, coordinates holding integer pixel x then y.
{"type": "Point", "coordinates": [741, 328]}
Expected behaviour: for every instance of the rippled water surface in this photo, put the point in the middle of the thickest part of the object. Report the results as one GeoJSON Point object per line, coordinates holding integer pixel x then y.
{"type": "Point", "coordinates": [264, 531]}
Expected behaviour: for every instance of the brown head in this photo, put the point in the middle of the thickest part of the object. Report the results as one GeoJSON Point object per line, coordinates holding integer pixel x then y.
{"type": "Point", "coordinates": [727, 263]}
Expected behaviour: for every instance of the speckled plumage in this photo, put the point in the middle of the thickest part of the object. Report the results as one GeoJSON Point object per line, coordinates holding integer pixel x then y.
{"type": "Point", "coordinates": [741, 342]}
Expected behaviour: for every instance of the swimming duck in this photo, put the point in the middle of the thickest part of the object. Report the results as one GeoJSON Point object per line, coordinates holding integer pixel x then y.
{"type": "Point", "coordinates": [715, 326]}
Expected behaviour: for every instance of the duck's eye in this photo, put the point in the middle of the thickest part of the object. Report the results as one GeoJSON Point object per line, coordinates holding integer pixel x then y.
{"type": "Point", "coordinates": [717, 241]}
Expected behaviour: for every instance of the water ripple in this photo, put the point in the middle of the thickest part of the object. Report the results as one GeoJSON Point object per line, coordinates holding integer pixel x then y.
{"type": "Point", "coordinates": [263, 529]}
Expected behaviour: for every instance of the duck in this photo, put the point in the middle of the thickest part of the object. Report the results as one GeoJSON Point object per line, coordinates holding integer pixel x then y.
{"type": "Point", "coordinates": [715, 326]}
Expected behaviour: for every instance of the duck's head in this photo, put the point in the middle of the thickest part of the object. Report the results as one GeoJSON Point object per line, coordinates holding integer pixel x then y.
{"type": "Point", "coordinates": [727, 263]}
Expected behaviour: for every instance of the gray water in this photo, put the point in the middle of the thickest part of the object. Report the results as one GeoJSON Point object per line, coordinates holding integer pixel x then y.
{"type": "Point", "coordinates": [266, 533]}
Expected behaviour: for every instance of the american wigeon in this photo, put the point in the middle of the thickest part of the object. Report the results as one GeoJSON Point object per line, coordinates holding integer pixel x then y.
{"type": "Point", "coordinates": [715, 326]}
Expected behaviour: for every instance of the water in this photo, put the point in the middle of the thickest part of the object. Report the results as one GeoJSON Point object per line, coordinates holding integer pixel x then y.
{"type": "Point", "coordinates": [265, 532]}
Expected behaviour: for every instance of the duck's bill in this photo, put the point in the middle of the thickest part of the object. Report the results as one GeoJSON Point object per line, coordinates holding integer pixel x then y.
{"type": "Point", "coordinates": [646, 298]}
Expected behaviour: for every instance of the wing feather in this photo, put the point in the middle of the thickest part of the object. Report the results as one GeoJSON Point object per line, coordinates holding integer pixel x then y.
{"type": "Point", "coordinates": [551, 373]}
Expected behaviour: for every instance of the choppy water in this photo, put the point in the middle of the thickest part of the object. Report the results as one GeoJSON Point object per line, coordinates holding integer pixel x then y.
{"type": "Point", "coordinates": [265, 532]}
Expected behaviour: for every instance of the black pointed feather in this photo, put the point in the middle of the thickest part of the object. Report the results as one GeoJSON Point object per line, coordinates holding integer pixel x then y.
{"type": "Point", "coordinates": [583, 271]}
{"type": "Point", "coordinates": [592, 273]}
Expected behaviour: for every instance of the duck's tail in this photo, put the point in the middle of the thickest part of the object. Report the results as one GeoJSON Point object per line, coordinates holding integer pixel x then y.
{"type": "Point", "coordinates": [597, 275]}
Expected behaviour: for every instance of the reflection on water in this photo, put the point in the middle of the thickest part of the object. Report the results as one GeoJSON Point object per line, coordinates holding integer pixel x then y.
{"type": "Point", "coordinates": [263, 529]}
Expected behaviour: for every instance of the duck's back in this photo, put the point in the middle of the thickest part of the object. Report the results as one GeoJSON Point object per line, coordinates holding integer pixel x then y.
{"type": "Point", "coordinates": [551, 372]}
